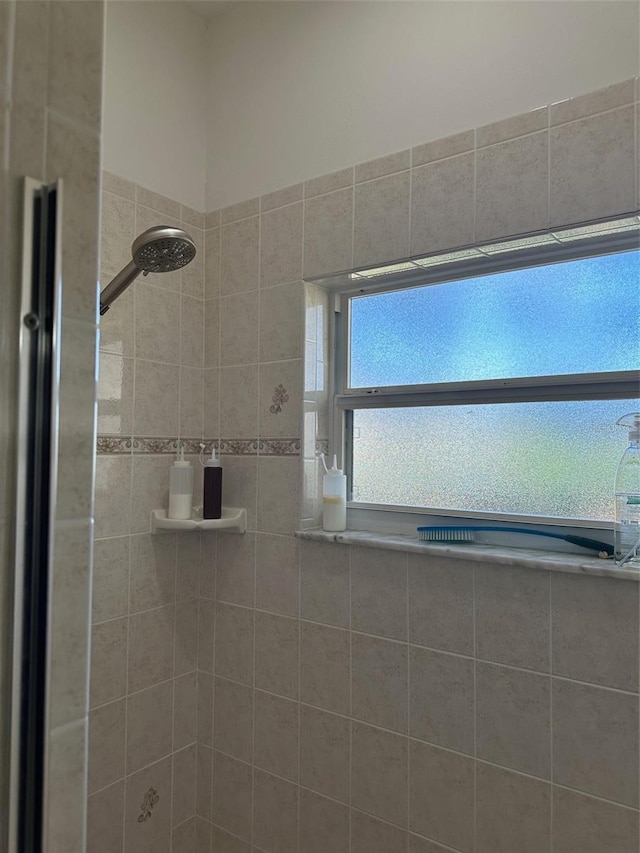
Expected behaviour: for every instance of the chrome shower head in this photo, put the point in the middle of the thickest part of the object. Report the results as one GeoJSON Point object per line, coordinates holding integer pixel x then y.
{"type": "Point", "coordinates": [158, 249]}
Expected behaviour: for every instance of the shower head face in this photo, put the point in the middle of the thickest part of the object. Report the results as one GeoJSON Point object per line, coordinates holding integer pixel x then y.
{"type": "Point", "coordinates": [163, 249]}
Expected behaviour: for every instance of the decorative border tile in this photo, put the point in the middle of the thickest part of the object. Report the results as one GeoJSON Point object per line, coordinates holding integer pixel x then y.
{"type": "Point", "coordinates": [115, 444]}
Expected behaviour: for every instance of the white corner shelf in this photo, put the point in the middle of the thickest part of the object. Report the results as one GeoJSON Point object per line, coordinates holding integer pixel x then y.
{"type": "Point", "coordinates": [233, 520]}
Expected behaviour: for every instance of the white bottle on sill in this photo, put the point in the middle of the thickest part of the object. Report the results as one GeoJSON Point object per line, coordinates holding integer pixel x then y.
{"type": "Point", "coordinates": [334, 498]}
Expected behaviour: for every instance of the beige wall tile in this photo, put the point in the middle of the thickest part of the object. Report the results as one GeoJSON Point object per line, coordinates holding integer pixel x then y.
{"type": "Point", "coordinates": [234, 643]}
{"type": "Point", "coordinates": [441, 803]}
{"type": "Point", "coordinates": [212, 333]}
{"type": "Point", "coordinates": [185, 708]}
{"type": "Point", "coordinates": [379, 678]}
{"type": "Point", "coordinates": [150, 647]}
{"type": "Point", "coordinates": [139, 835]}
{"type": "Point", "coordinates": [110, 578]}
{"type": "Point", "coordinates": [381, 220]}
{"type": "Point", "coordinates": [75, 61]}
{"type": "Point", "coordinates": [186, 639]}
{"type": "Point", "coordinates": [325, 667]}
{"type": "Point", "coordinates": [280, 417]}
{"type": "Point", "coordinates": [512, 187]}
{"type": "Point", "coordinates": [513, 812]}
{"type": "Point", "coordinates": [106, 744]}
{"type": "Point", "coordinates": [239, 402]}
{"type": "Point", "coordinates": [442, 204]}
{"type": "Point", "coordinates": [512, 616]}
{"type": "Point", "coordinates": [206, 633]}
{"type": "Point", "coordinates": [328, 233]}
{"type": "Point", "coordinates": [235, 571]}
{"type": "Point", "coordinates": [441, 604]}
{"type": "Point", "coordinates": [324, 824]}
{"type": "Point", "coordinates": [325, 583]}
{"type": "Point", "coordinates": [379, 592]}
{"type": "Point", "coordinates": [212, 263]}
{"type": "Point", "coordinates": [153, 571]}
{"type": "Point", "coordinates": [278, 494]}
{"type": "Point", "coordinates": [117, 325]}
{"type": "Point", "coordinates": [239, 328]}
{"type": "Point", "coordinates": [150, 488]}
{"type": "Point", "coordinates": [241, 210]}
{"type": "Point", "coordinates": [108, 661]}
{"type": "Point", "coordinates": [239, 244]}
{"type": "Point", "coordinates": [205, 715]}
{"type": "Point", "coordinates": [225, 842]}
{"type": "Point", "coordinates": [277, 653]}
{"type": "Point", "coordinates": [382, 166]}
{"type": "Point", "coordinates": [232, 795]}
{"type": "Point", "coordinates": [281, 321]}
{"type": "Point", "coordinates": [184, 785]}
{"type": "Point", "coordinates": [192, 329]}
{"type": "Point", "coordinates": [275, 814]}
{"type": "Point", "coordinates": [115, 395]}
{"type": "Point", "coordinates": [442, 699]}
{"type": "Point", "coordinates": [512, 127]}
{"type": "Point", "coordinates": [29, 36]}
{"type": "Point", "coordinates": [512, 719]}
{"type": "Point", "coordinates": [193, 217]}
{"type": "Point", "coordinates": [592, 167]}
{"type": "Point", "coordinates": [279, 198]}
{"type": "Point", "coordinates": [369, 835]}
{"type": "Point", "coordinates": [155, 408]}
{"type": "Point", "coordinates": [379, 773]}
{"type": "Point", "coordinates": [325, 752]}
{"type": "Point", "coordinates": [158, 203]}
{"type": "Point", "coordinates": [584, 825]}
{"type": "Point", "coordinates": [595, 741]}
{"type": "Point", "coordinates": [211, 404]}
{"type": "Point", "coordinates": [183, 837]}
{"type": "Point", "coordinates": [118, 186]}
{"type": "Point", "coordinates": [275, 747]}
{"type": "Point", "coordinates": [329, 183]}
{"type": "Point", "coordinates": [240, 485]}
{"type": "Point", "coordinates": [594, 102]}
{"type": "Point", "coordinates": [595, 630]}
{"type": "Point", "coordinates": [149, 725]}
{"type": "Point", "coordinates": [281, 245]}
{"type": "Point", "coordinates": [233, 719]}
{"type": "Point", "coordinates": [277, 574]}
{"type": "Point", "coordinates": [117, 232]}
{"type": "Point", "coordinates": [193, 275]}
{"type": "Point", "coordinates": [192, 406]}
{"type": "Point", "coordinates": [449, 146]}
{"type": "Point", "coordinates": [105, 820]}
{"type": "Point", "coordinates": [204, 781]}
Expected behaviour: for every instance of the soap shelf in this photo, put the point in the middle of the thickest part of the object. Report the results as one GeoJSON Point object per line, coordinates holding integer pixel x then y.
{"type": "Point", "coordinates": [233, 520]}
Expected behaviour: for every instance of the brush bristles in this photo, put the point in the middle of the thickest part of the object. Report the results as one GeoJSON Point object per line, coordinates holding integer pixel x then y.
{"type": "Point", "coordinates": [447, 534]}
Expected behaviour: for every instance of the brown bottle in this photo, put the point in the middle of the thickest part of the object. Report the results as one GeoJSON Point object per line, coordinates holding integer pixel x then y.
{"type": "Point", "coordinates": [212, 492]}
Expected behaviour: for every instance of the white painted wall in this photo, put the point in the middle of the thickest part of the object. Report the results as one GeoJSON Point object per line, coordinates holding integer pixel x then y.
{"type": "Point", "coordinates": [299, 89]}
{"type": "Point", "coordinates": [155, 101]}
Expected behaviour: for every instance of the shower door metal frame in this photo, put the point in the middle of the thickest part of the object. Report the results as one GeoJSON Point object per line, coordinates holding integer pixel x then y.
{"type": "Point", "coordinates": [36, 482]}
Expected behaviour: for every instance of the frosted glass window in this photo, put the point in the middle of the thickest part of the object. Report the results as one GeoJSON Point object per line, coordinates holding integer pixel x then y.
{"type": "Point", "coordinates": [544, 458]}
{"type": "Point", "coordinates": [579, 316]}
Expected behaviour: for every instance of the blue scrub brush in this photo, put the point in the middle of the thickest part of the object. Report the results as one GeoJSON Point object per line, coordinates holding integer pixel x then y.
{"type": "Point", "coordinates": [466, 534]}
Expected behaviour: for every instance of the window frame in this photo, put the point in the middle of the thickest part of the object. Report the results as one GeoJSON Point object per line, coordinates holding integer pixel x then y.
{"type": "Point", "coordinates": [611, 237]}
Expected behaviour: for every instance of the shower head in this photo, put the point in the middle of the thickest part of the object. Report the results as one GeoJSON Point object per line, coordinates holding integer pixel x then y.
{"type": "Point", "coordinates": [158, 249]}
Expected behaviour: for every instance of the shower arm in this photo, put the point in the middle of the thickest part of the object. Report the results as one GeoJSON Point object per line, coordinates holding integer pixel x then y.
{"type": "Point", "coordinates": [118, 285]}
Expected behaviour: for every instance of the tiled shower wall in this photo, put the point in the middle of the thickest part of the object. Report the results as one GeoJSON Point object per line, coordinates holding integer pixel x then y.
{"type": "Point", "coordinates": [50, 120]}
{"type": "Point", "coordinates": [348, 699]}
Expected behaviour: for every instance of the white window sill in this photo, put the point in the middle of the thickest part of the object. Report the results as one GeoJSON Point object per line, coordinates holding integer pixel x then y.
{"type": "Point", "coordinates": [497, 555]}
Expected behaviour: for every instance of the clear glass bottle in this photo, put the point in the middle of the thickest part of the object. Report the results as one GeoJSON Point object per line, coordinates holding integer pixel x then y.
{"type": "Point", "coordinates": [627, 496]}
